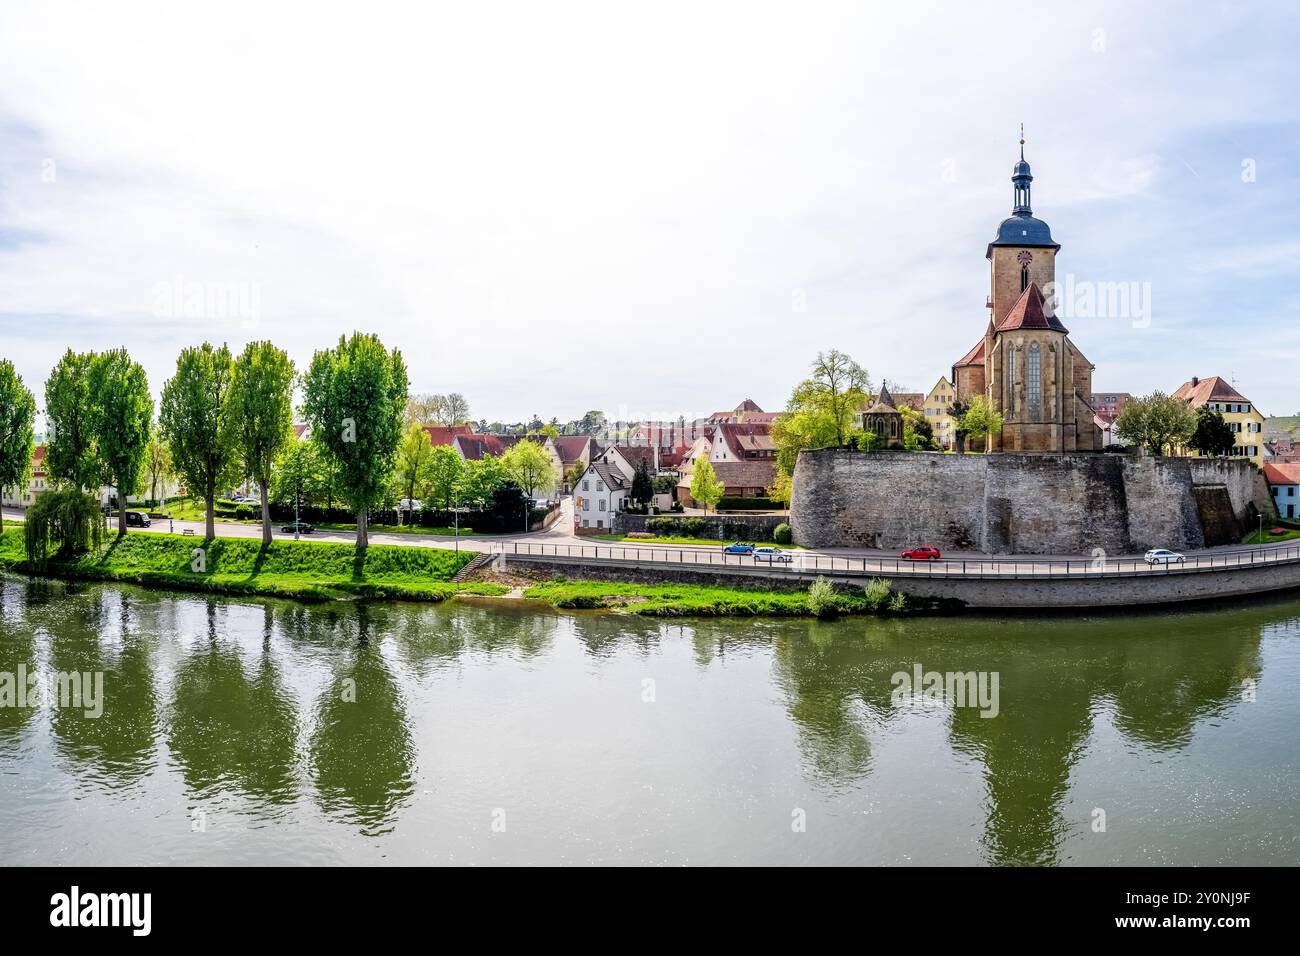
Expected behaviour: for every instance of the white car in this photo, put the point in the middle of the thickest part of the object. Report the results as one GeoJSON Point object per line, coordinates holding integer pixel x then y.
{"type": "Point", "coordinates": [409, 504]}
{"type": "Point", "coordinates": [771, 554]}
{"type": "Point", "coordinates": [1164, 556]}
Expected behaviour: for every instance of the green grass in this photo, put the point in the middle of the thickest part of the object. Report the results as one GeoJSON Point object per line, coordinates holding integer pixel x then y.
{"type": "Point", "coordinates": [669, 539]}
{"type": "Point", "coordinates": [1254, 537]}
{"type": "Point", "coordinates": [304, 570]}
{"type": "Point", "coordinates": [447, 532]}
{"type": "Point", "coordinates": [679, 600]}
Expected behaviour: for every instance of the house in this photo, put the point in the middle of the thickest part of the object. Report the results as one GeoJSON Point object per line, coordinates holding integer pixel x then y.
{"type": "Point", "coordinates": [937, 408]}
{"type": "Point", "coordinates": [1108, 434]}
{"type": "Point", "coordinates": [1284, 484]}
{"type": "Point", "coordinates": [743, 456]}
{"type": "Point", "coordinates": [475, 447]}
{"type": "Point", "coordinates": [446, 434]}
{"type": "Point", "coordinates": [1239, 412]}
{"type": "Point", "coordinates": [572, 450]}
{"type": "Point", "coordinates": [599, 495]}
{"type": "Point", "coordinates": [1108, 405]}
{"type": "Point", "coordinates": [23, 497]}
{"type": "Point", "coordinates": [625, 458]}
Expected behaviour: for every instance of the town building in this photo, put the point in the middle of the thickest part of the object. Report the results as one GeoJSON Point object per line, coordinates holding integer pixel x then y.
{"type": "Point", "coordinates": [599, 495]}
{"type": "Point", "coordinates": [1026, 365]}
{"type": "Point", "coordinates": [937, 408]}
{"type": "Point", "coordinates": [883, 418]}
{"type": "Point", "coordinates": [1284, 485]}
{"type": "Point", "coordinates": [23, 497]}
{"type": "Point", "coordinates": [1108, 405]}
{"type": "Point", "coordinates": [1246, 420]}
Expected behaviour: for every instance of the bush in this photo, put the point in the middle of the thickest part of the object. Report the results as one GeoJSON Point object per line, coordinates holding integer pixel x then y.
{"type": "Point", "coordinates": [877, 593]}
{"type": "Point", "coordinates": [782, 534]}
{"type": "Point", "coordinates": [898, 603]}
{"type": "Point", "coordinates": [667, 526]}
{"type": "Point", "coordinates": [244, 512]}
{"type": "Point", "coordinates": [66, 522]}
{"type": "Point", "coordinates": [821, 598]}
{"type": "Point", "coordinates": [694, 527]}
{"type": "Point", "coordinates": [748, 504]}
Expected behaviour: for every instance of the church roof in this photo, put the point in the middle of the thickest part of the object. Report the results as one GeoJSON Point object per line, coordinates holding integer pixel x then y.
{"type": "Point", "coordinates": [1023, 230]}
{"type": "Point", "coordinates": [1028, 313]}
{"type": "Point", "coordinates": [974, 357]}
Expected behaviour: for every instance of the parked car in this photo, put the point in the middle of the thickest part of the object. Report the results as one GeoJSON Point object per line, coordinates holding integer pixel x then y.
{"type": "Point", "coordinates": [740, 547]}
{"type": "Point", "coordinates": [771, 554]}
{"type": "Point", "coordinates": [409, 504]}
{"type": "Point", "coordinates": [137, 518]}
{"type": "Point", "coordinates": [301, 527]}
{"type": "Point", "coordinates": [1164, 556]}
{"type": "Point", "coordinates": [922, 553]}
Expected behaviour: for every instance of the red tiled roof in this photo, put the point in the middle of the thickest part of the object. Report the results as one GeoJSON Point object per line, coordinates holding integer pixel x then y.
{"type": "Point", "coordinates": [1287, 473]}
{"type": "Point", "coordinates": [746, 438]}
{"type": "Point", "coordinates": [974, 357]}
{"type": "Point", "coordinates": [914, 399]}
{"type": "Point", "coordinates": [1028, 313]}
{"type": "Point", "coordinates": [1212, 389]}
{"type": "Point", "coordinates": [475, 447]}
{"type": "Point", "coordinates": [445, 434]}
{"type": "Point", "coordinates": [571, 447]}
{"type": "Point", "coordinates": [745, 474]}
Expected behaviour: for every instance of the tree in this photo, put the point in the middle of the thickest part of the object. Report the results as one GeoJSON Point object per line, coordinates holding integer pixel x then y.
{"type": "Point", "coordinates": [260, 415]}
{"type": "Point", "coordinates": [66, 517]}
{"type": "Point", "coordinates": [70, 452]}
{"type": "Point", "coordinates": [17, 438]}
{"type": "Point", "coordinates": [121, 413]}
{"type": "Point", "coordinates": [455, 410]}
{"type": "Point", "coordinates": [479, 480]}
{"type": "Point", "coordinates": [981, 418]}
{"type": "Point", "coordinates": [643, 489]}
{"type": "Point", "coordinates": [705, 486]}
{"type": "Point", "coordinates": [425, 409]}
{"type": "Point", "coordinates": [821, 408]}
{"type": "Point", "coordinates": [300, 476]}
{"type": "Point", "coordinates": [592, 422]}
{"type": "Point", "coordinates": [157, 464]}
{"type": "Point", "coordinates": [1213, 435]}
{"type": "Point", "coordinates": [782, 488]}
{"type": "Point", "coordinates": [355, 395]}
{"type": "Point", "coordinates": [550, 430]}
{"type": "Point", "coordinates": [193, 416]}
{"type": "Point", "coordinates": [444, 475]}
{"type": "Point", "coordinates": [918, 433]}
{"type": "Point", "coordinates": [414, 456]}
{"type": "Point", "coordinates": [531, 467]}
{"type": "Point", "coordinates": [576, 471]}
{"type": "Point", "coordinates": [1158, 422]}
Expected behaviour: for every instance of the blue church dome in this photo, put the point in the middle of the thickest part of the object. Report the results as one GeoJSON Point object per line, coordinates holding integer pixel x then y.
{"type": "Point", "coordinates": [1024, 230]}
{"type": "Point", "coordinates": [1022, 169]}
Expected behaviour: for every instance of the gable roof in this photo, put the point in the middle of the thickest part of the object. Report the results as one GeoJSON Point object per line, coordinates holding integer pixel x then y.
{"type": "Point", "coordinates": [1213, 389]}
{"type": "Point", "coordinates": [746, 474]}
{"type": "Point", "coordinates": [445, 434]}
{"type": "Point", "coordinates": [745, 438]}
{"type": "Point", "coordinates": [612, 477]}
{"type": "Point", "coordinates": [1028, 313]}
{"type": "Point", "coordinates": [974, 357]}
{"type": "Point", "coordinates": [913, 399]}
{"type": "Point", "coordinates": [1286, 473]}
{"type": "Point", "coordinates": [633, 454]}
{"type": "Point", "coordinates": [475, 447]}
{"type": "Point", "coordinates": [571, 447]}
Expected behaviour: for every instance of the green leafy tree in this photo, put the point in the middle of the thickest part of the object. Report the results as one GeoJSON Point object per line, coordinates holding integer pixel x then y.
{"type": "Point", "coordinates": [414, 456]}
{"type": "Point", "coordinates": [549, 430]}
{"type": "Point", "coordinates": [193, 416]}
{"type": "Point", "coordinates": [157, 463]}
{"type": "Point", "coordinates": [981, 418]}
{"type": "Point", "coordinates": [66, 522]}
{"type": "Point", "coordinates": [782, 488]}
{"type": "Point", "coordinates": [643, 489]}
{"type": "Point", "coordinates": [821, 408]}
{"type": "Point", "coordinates": [121, 413]}
{"type": "Point", "coordinates": [480, 480]}
{"type": "Point", "coordinates": [259, 415]}
{"type": "Point", "coordinates": [355, 396]}
{"type": "Point", "coordinates": [531, 467]}
{"type": "Point", "coordinates": [70, 451]}
{"type": "Point", "coordinates": [1213, 435]}
{"type": "Point", "coordinates": [17, 438]}
{"type": "Point", "coordinates": [300, 475]}
{"type": "Point", "coordinates": [576, 471]}
{"type": "Point", "coordinates": [705, 486]}
{"type": "Point", "coordinates": [1158, 422]}
{"type": "Point", "coordinates": [918, 433]}
{"type": "Point", "coordinates": [444, 475]}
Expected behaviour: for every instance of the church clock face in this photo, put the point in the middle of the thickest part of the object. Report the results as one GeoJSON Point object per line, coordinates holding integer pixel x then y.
{"type": "Point", "coordinates": [1024, 258]}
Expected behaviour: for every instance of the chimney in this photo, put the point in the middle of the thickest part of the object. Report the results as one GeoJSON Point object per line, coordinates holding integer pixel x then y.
{"type": "Point", "coordinates": [1195, 381]}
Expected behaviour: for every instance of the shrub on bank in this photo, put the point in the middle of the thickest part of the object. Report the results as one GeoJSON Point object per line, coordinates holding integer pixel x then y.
{"type": "Point", "coordinates": [782, 534]}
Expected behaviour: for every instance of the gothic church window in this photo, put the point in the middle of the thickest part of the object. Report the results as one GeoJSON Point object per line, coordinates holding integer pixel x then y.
{"type": "Point", "coordinates": [1011, 379]}
{"type": "Point", "coordinates": [1035, 382]}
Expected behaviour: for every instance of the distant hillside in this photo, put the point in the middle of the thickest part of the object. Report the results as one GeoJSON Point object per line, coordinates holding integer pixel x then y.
{"type": "Point", "coordinates": [1282, 426]}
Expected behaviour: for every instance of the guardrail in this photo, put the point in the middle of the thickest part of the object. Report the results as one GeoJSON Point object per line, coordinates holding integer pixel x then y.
{"type": "Point", "coordinates": [803, 562]}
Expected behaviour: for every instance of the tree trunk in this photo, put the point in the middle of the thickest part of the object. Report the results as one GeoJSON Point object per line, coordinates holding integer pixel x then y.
{"type": "Point", "coordinates": [266, 514]}
{"type": "Point", "coordinates": [211, 519]}
{"type": "Point", "coordinates": [121, 512]}
{"type": "Point", "coordinates": [363, 538]}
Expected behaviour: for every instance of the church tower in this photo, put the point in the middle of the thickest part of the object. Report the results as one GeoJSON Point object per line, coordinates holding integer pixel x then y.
{"type": "Point", "coordinates": [1025, 366]}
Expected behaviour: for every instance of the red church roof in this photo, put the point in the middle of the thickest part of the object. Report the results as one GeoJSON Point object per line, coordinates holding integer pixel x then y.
{"type": "Point", "coordinates": [1028, 313]}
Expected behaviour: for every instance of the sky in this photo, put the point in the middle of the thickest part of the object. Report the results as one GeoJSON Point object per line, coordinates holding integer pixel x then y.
{"type": "Point", "coordinates": [655, 210]}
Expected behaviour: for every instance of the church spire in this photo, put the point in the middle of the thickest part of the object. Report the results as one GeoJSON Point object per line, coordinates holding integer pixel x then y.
{"type": "Point", "coordinates": [1020, 180]}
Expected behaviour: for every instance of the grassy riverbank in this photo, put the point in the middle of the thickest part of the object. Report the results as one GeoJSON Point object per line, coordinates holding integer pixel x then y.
{"type": "Point", "coordinates": [304, 570]}
{"type": "Point", "coordinates": [702, 600]}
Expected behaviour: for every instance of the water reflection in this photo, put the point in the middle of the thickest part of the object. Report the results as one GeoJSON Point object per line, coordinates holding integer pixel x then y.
{"type": "Point", "coordinates": [342, 715]}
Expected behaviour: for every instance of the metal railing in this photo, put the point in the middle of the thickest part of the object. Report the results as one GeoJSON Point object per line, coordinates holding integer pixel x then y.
{"type": "Point", "coordinates": [803, 562]}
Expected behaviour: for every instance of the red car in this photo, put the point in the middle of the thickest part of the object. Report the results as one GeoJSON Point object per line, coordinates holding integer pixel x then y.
{"type": "Point", "coordinates": [923, 553]}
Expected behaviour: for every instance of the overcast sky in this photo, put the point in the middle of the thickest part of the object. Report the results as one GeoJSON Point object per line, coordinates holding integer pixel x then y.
{"type": "Point", "coordinates": [663, 208]}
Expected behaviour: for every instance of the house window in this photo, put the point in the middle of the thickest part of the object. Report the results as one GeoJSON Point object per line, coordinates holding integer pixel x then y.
{"type": "Point", "coordinates": [599, 523]}
{"type": "Point", "coordinates": [600, 485]}
{"type": "Point", "coordinates": [586, 523]}
{"type": "Point", "coordinates": [586, 486]}
{"type": "Point", "coordinates": [1035, 383]}
{"type": "Point", "coordinates": [601, 505]}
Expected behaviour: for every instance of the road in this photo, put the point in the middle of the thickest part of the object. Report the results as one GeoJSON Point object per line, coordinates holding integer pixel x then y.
{"type": "Point", "coordinates": [559, 542]}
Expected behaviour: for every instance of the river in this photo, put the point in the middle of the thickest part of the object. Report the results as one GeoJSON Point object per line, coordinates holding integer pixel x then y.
{"type": "Point", "coordinates": [248, 731]}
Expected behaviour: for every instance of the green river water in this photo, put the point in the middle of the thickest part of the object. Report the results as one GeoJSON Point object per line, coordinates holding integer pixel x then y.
{"type": "Point", "coordinates": [250, 731]}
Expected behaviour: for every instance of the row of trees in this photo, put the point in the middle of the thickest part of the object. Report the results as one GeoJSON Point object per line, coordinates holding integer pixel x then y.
{"type": "Point", "coordinates": [1161, 424]}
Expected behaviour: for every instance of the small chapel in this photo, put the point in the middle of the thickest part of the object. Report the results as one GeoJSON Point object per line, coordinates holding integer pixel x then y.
{"type": "Point", "coordinates": [1025, 364]}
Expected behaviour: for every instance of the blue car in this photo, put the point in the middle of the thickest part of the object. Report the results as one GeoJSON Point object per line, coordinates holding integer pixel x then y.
{"type": "Point", "coordinates": [740, 547]}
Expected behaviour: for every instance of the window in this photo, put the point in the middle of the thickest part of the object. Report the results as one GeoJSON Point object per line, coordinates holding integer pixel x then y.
{"type": "Point", "coordinates": [1011, 378]}
{"type": "Point", "coordinates": [600, 485]}
{"type": "Point", "coordinates": [586, 523]}
{"type": "Point", "coordinates": [1035, 383]}
{"type": "Point", "coordinates": [599, 523]}
{"type": "Point", "coordinates": [1024, 278]}
{"type": "Point", "coordinates": [586, 486]}
{"type": "Point", "coordinates": [601, 505]}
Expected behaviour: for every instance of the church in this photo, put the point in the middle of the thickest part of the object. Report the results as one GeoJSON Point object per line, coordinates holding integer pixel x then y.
{"type": "Point", "coordinates": [1025, 364]}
